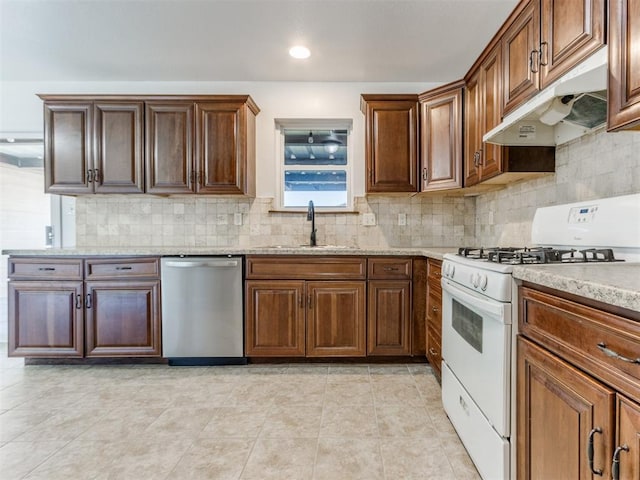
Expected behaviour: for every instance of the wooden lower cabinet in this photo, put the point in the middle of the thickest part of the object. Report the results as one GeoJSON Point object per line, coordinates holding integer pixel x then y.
{"type": "Point", "coordinates": [558, 406]}
{"type": "Point", "coordinates": [434, 315]}
{"type": "Point", "coordinates": [578, 388]}
{"type": "Point", "coordinates": [389, 317]}
{"type": "Point", "coordinates": [275, 318]}
{"type": "Point", "coordinates": [336, 322]}
{"type": "Point", "coordinates": [84, 307]}
{"type": "Point", "coordinates": [45, 319]}
{"type": "Point", "coordinates": [122, 318]}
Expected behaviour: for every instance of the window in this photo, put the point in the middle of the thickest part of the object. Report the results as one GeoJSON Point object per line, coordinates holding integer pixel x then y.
{"type": "Point", "coordinates": [315, 165]}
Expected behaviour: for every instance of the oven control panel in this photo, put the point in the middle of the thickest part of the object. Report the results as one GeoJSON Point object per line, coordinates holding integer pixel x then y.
{"type": "Point", "coordinates": [584, 214]}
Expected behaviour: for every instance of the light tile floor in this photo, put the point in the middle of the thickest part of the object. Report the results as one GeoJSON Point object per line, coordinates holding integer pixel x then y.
{"type": "Point", "coordinates": [285, 422]}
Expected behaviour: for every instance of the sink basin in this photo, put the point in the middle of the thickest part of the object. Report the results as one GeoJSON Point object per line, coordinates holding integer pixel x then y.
{"type": "Point", "coordinates": [323, 247]}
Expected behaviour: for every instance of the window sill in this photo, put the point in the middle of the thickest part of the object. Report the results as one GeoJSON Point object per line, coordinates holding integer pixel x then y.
{"type": "Point", "coordinates": [318, 211]}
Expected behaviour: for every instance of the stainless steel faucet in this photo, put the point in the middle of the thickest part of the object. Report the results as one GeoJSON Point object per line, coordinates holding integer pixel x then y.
{"type": "Point", "coordinates": [311, 217]}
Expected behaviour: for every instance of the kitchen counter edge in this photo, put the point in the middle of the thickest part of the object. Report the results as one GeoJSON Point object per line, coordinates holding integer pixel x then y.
{"type": "Point", "coordinates": [431, 252]}
{"type": "Point", "coordinates": [615, 284]}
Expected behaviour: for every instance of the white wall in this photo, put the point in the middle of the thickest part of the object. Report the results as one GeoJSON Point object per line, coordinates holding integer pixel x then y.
{"type": "Point", "coordinates": [21, 109]}
{"type": "Point", "coordinates": [24, 211]}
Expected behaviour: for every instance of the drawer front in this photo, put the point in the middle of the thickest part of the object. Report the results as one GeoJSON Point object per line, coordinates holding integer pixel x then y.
{"type": "Point", "coordinates": [109, 268]}
{"type": "Point", "coordinates": [605, 345]}
{"type": "Point", "coordinates": [306, 268]}
{"type": "Point", "coordinates": [434, 350]}
{"type": "Point", "coordinates": [45, 268]}
{"type": "Point", "coordinates": [435, 271]}
{"type": "Point", "coordinates": [389, 268]}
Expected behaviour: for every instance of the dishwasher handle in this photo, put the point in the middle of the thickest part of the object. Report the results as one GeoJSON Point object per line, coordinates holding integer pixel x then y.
{"type": "Point", "coordinates": [207, 263]}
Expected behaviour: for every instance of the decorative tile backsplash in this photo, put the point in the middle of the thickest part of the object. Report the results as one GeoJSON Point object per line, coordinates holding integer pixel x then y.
{"type": "Point", "coordinates": [136, 220]}
{"type": "Point", "coordinates": [594, 166]}
{"type": "Point", "coordinates": [597, 165]}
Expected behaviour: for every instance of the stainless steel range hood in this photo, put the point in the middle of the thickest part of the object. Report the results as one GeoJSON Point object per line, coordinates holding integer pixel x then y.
{"type": "Point", "coordinates": [570, 107]}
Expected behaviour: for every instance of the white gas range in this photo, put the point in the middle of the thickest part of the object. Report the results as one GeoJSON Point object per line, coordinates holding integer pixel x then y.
{"type": "Point", "coordinates": [479, 317]}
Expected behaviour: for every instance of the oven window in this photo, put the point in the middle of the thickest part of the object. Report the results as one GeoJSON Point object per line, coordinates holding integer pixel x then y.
{"type": "Point", "coordinates": [468, 324]}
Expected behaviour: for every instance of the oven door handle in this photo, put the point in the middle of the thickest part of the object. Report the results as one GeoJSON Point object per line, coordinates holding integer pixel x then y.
{"type": "Point", "coordinates": [493, 308]}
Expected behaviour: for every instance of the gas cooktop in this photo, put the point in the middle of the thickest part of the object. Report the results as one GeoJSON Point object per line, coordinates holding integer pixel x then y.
{"type": "Point", "coordinates": [538, 255]}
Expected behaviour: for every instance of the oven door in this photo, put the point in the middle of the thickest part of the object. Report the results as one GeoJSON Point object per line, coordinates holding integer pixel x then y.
{"type": "Point", "coordinates": [476, 346]}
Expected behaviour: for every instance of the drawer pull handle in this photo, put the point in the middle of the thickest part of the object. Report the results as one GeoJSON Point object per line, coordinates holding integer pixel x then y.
{"type": "Point", "coordinates": [615, 466]}
{"type": "Point", "coordinates": [432, 352]}
{"type": "Point", "coordinates": [124, 268]}
{"type": "Point", "coordinates": [390, 269]}
{"type": "Point", "coordinates": [590, 450]}
{"type": "Point", "coordinates": [434, 309]}
{"type": "Point", "coordinates": [610, 353]}
{"type": "Point", "coordinates": [47, 269]}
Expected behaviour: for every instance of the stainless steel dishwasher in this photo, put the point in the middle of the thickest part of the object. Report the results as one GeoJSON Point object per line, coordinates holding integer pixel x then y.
{"type": "Point", "coordinates": [202, 310]}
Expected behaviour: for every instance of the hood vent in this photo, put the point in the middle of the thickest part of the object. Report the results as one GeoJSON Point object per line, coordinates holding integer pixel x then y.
{"type": "Point", "coordinates": [570, 107]}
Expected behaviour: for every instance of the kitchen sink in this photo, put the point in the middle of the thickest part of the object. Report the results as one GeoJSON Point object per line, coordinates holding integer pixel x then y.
{"type": "Point", "coordinates": [316, 247]}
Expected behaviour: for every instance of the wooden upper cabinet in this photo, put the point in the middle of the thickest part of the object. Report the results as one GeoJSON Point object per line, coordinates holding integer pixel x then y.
{"type": "Point", "coordinates": [483, 111]}
{"type": "Point", "coordinates": [68, 147]}
{"type": "Point", "coordinates": [570, 31]}
{"type": "Point", "coordinates": [472, 129]}
{"type": "Point", "coordinates": [118, 165]}
{"type": "Point", "coordinates": [224, 163]}
{"type": "Point", "coordinates": [147, 143]}
{"type": "Point", "coordinates": [93, 147]}
{"type": "Point", "coordinates": [391, 142]}
{"type": "Point", "coordinates": [624, 65]}
{"type": "Point", "coordinates": [169, 147]}
{"type": "Point", "coordinates": [520, 56]}
{"type": "Point", "coordinates": [544, 40]}
{"type": "Point", "coordinates": [441, 137]}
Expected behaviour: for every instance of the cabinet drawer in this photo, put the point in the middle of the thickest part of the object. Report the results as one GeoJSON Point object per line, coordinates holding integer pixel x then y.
{"type": "Point", "coordinates": [389, 268]}
{"type": "Point", "coordinates": [45, 269]}
{"type": "Point", "coordinates": [306, 268]}
{"type": "Point", "coordinates": [434, 349]}
{"type": "Point", "coordinates": [604, 344]}
{"type": "Point", "coordinates": [105, 268]}
{"type": "Point", "coordinates": [435, 271]}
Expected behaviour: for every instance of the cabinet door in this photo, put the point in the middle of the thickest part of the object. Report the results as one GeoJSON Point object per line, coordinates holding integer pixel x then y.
{"type": "Point", "coordinates": [68, 147]}
{"type": "Point", "coordinates": [169, 147]}
{"type": "Point", "coordinates": [45, 319]}
{"type": "Point", "coordinates": [628, 433]}
{"type": "Point", "coordinates": [472, 135]}
{"type": "Point", "coordinates": [623, 93]}
{"type": "Point", "coordinates": [558, 407]}
{"type": "Point", "coordinates": [219, 156]}
{"type": "Point", "coordinates": [434, 328]}
{"type": "Point", "coordinates": [571, 30]}
{"type": "Point", "coordinates": [391, 145]}
{"type": "Point", "coordinates": [441, 135]}
{"type": "Point", "coordinates": [122, 319]}
{"type": "Point", "coordinates": [490, 112]}
{"type": "Point", "coordinates": [275, 318]}
{"type": "Point", "coordinates": [336, 321]}
{"type": "Point", "coordinates": [520, 56]}
{"type": "Point", "coordinates": [389, 317]}
{"type": "Point", "coordinates": [118, 164]}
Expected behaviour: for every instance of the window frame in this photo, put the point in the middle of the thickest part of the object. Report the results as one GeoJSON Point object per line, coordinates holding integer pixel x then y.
{"type": "Point", "coordinates": [313, 124]}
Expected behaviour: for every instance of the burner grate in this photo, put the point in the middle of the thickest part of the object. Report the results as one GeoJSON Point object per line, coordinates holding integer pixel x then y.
{"type": "Point", "coordinates": [538, 255]}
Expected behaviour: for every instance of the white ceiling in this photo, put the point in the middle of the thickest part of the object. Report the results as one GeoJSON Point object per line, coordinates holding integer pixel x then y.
{"type": "Point", "coordinates": [244, 40]}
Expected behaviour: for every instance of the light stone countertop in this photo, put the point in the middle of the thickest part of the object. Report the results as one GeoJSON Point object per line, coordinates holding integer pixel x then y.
{"type": "Point", "coordinates": [616, 284]}
{"type": "Point", "coordinates": [432, 252]}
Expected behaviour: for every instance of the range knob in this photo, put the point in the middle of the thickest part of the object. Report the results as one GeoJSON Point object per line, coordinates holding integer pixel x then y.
{"type": "Point", "coordinates": [484, 281]}
{"type": "Point", "coordinates": [475, 279]}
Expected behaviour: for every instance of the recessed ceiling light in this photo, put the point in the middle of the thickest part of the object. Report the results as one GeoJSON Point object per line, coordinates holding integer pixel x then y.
{"type": "Point", "coordinates": [299, 52]}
